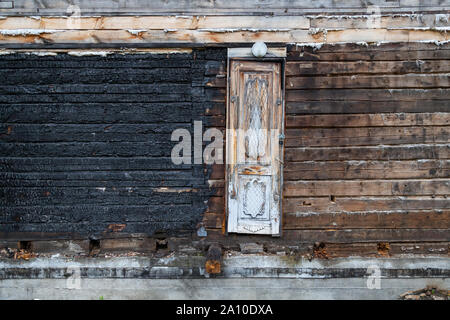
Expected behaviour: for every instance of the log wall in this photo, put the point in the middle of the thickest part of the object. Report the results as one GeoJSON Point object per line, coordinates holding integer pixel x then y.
{"type": "Point", "coordinates": [367, 153]}
{"type": "Point", "coordinates": [85, 142]}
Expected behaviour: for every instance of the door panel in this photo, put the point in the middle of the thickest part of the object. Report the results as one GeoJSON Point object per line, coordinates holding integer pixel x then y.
{"type": "Point", "coordinates": [254, 152]}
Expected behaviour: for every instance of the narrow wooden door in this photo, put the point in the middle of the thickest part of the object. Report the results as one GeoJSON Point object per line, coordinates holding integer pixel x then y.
{"type": "Point", "coordinates": [254, 147]}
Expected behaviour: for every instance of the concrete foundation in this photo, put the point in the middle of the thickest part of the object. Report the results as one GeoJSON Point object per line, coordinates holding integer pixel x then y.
{"type": "Point", "coordinates": [242, 277]}
{"type": "Point", "coordinates": [206, 289]}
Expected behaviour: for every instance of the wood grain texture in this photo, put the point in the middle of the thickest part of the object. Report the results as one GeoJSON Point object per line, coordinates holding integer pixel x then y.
{"type": "Point", "coordinates": [367, 141]}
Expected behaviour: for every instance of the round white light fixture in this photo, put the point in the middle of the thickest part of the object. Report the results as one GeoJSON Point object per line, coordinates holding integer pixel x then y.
{"type": "Point", "coordinates": [259, 49]}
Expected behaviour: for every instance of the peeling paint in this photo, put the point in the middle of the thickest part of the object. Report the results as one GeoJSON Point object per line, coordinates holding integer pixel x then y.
{"type": "Point", "coordinates": [314, 45]}
{"type": "Point", "coordinates": [136, 32]}
{"type": "Point", "coordinates": [43, 53]}
{"type": "Point", "coordinates": [27, 32]}
{"type": "Point", "coordinates": [89, 53]}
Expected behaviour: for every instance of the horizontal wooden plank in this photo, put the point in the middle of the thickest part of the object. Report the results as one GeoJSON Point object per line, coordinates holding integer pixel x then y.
{"type": "Point", "coordinates": [218, 82]}
{"type": "Point", "coordinates": [333, 137]}
{"type": "Point", "coordinates": [213, 220]}
{"type": "Point", "coordinates": [363, 205]}
{"type": "Point", "coordinates": [372, 95]}
{"type": "Point", "coordinates": [93, 213]}
{"type": "Point", "coordinates": [86, 149]}
{"type": "Point", "coordinates": [76, 62]}
{"type": "Point", "coordinates": [373, 48]}
{"type": "Point", "coordinates": [47, 196]}
{"type": "Point", "coordinates": [368, 220]}
{"type": "Point", "coordinates": [369, 120]}
{"type": "Point", "coordinates": [67, 165]}
{"type": "Point", "coordinates": [219, 4]}
{"type": "Point", "coordinates": [156, 22]}
{"type": "Point", "coordinates": [329, 170]}
{"type": "Point", "coordinates": [148, 178]}
{"type": "Point", "coordinates": [95, 113]}
{"type": "Point", "coordinates": [437, 248]}
{"type": "Point", "coordinates": [346, 107]}
{"type": "Point", "coordinates": [366, 187]}
{"type": "Point", "coordinates": [406, 51]}
{"type": "Point", "coordinates": [419, 80]}
{"type": "Point", "coordinates": [158, 133]}
{"type": "Point", "coordinates": [295, 68]}
{"type": "Point", "coordinates": [218, 35]}
{"type": "Point", "coordinates": [164, 36]}
{"type": "Point", "coordinates": [368, 235]}
{"type": "Point", "coordinates": [65, 80]}
{"type": "Point", "coordinates": [385, 21]}
{"type": "Point", "coordinates": [410, 152]}
{"type": "Point", "coordinates": [438, 54]}
{"type": "Point", "coordinates": [355, 220]}
{"type": "Point", "coordinates": [140, 88]}
{"type": "Point", "coordinates": [215, 204]}
{"type": "Point", "coordinates": [388, 34]}
{"type": "Point", "coordinates": [340, 236]}
{"type": "Point", "coordinates": [98, 98]}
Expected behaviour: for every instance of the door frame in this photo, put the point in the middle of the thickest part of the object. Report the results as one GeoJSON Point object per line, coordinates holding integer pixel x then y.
{"type": "Point", "coordinates": [277, 54]}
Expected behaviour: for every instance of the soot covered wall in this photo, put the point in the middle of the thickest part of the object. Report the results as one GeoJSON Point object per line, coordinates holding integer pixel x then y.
{"type": "Point", "coordinates": [85, 141]}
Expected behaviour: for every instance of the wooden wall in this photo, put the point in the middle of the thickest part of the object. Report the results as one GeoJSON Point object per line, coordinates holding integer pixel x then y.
{"type": "Point", "coordinates": [367, 153]}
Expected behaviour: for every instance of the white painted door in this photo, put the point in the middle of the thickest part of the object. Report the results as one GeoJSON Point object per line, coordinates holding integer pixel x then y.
{"type": "Point", "coordinates": [254, 147]}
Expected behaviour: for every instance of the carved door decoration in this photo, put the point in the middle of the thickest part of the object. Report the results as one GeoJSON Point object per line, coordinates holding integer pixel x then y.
{"type": "Point", "coordinates": [254, 147]}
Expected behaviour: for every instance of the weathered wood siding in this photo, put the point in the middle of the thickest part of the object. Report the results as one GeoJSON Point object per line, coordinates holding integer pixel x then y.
{"type": "Point", "coordinates": [256, 7]}
{"type": "Point", "coordinates": [65, 30]}
{"type": "Point", "coordinates": [367, 153]}
{"type": "Point", "coordinates": [367, 139]}
{"type": "Point", "coordinates": [85, 142]}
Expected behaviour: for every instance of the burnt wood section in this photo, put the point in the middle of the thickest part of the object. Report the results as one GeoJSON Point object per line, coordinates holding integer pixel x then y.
{"type": "Point", "coordinates": [85, 143]}
{"type": "Point", "coordinates": [367, 155]}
